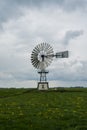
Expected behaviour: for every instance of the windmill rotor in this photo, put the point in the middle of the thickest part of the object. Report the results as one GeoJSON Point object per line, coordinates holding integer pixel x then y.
{"type": "Point", "coordinates": [39, 57]}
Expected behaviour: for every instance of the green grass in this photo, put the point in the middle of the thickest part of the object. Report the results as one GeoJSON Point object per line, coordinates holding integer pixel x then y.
{"type": "Point", "coordinates": [29, 109]}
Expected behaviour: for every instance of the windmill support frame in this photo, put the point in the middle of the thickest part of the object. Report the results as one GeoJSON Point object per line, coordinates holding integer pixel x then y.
{"type": "Point", "coordinates": [43, 84]}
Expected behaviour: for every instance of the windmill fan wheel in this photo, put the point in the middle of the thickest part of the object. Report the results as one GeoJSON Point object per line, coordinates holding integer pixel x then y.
{"type": "Point", "coordinates": [41, 56]}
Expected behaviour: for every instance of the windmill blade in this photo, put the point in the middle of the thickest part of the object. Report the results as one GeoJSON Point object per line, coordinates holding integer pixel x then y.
{"type": "Point", "coordinates": [64, 54]}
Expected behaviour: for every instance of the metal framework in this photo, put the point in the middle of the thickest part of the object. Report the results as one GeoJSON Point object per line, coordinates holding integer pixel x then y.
{"type": "Point", "coordinates": [43, 77]}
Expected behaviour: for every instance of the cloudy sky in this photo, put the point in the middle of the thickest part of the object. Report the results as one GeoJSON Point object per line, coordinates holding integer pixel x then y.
{"type": "Point", "coordinates": [26, 23]}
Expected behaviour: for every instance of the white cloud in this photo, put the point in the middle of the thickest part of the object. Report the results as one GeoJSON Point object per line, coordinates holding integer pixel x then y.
{"type": "Point", "coordinates": [5, 76]}
{"type": "Point", "coordinates": [62, 29]}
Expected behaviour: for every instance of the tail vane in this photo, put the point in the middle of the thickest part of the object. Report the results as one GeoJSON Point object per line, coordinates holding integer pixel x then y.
{"type": "Point", "coordinates": [64, 54]}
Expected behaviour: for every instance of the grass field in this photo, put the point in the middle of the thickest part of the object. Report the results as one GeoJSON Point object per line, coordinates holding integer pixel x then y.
{"type": "Point", "coordinates": [29, 109]}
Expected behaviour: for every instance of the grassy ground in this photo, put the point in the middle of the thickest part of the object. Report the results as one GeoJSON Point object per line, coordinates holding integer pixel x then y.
{"type": "Point", "coordinates": [27, 109]}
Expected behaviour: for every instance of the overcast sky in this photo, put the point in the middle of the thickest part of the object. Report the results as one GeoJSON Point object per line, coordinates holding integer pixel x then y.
{"type": "Point", "coordinates": [26, 23]}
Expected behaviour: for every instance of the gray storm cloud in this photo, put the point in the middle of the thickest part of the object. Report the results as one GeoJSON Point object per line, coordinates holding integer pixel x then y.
{"type": "Point", "coordinates": [71, 35]}
{"type": "Point", "coordinates": [12, 8]}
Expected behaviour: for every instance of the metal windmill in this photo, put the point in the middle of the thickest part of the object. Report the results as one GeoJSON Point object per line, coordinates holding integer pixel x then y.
{"type": "Point", "coordinates": [41, 57]}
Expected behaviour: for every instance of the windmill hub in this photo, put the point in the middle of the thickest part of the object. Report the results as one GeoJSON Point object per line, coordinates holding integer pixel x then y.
{"type": "Point", "coordinates": [41, 57]}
